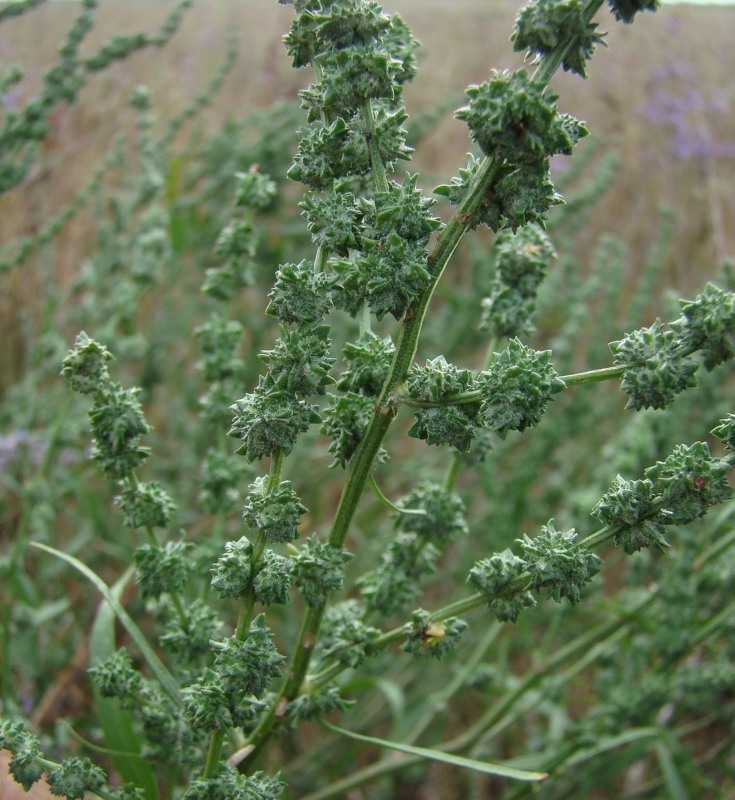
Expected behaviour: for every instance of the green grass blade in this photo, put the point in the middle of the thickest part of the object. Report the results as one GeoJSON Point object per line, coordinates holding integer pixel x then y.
{"type": "Point", "coordinates": [607, 743]}
{"type": "Point", "coordinates": [166, 679]}
{"type": "Point", "coordinates": [122, 743]}
{"type": "Point", "coordinates": [446, 758]}
{"type": "Point", "coordinates": [672, 777]}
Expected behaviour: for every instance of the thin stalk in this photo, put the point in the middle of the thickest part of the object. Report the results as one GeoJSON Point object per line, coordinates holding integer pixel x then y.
{"type": "Point", "coordinates": [715, 549]}
{"type": "Point", "coordinates": [453, 472]}
{"type": "Point", "coordinates": [390, 504]}
{"type": "Point", "coordinates": [364, 320]}
{"type": "Point", "coordinates": [245, 616]}
{"type": "Point", "coordinates": [380, 178]}
{"type": "Point", "coordinates": [320, 261]}
{"type": "Point", "coordinates": [598, 537]}
{"type": "Point", "coordinates": [595, 375]}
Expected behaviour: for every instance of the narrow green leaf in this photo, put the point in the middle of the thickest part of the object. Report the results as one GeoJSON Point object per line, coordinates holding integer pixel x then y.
{"type": "Point", "coordinates": [123, 745]}
{"type": "Point", "coordinates": [446, 758]}
{"type": "Point", "coordinates": [421, 512]}
{"type": "Point", "coordinates": [166, 679]}
{"type": "Point", "coordinates": [674, 784]}
{"type": "Point", "coordinates": [608, 743]}
{"type": "Point", "coordinates": [98, 748]}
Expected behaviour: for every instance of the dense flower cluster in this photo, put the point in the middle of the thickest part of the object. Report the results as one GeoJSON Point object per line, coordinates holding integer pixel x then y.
{"type": "Point", "coordinates": [658, 366]}
{"type": "Point", "coordinates": [516, 389]}
{"type": "Point", "coordinates": [425, 637]}
{"type": "Point", "coordinates": [544, 25]}
{"type": "Point", "coordinates": [521, 260]}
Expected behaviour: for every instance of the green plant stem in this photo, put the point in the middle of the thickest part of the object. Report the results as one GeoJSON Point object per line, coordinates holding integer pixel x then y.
{"type": "Point", "coordinates": [475, 396]}
{"type": "Point", "coordinates": [390, 504]}
{"type": "Point", "coordinates": [214, 753]}
{"type": "Point", "coordinates": [380, 179]}
{"type": "Point", "coordinates": [386, 406]}
{"type": "Point", "coordinates": [320, 262]}
{"type": "Point", "coordinates": [450, 479]}
{"type": "Point", "coordinates": [718, 547]}
{"type": "Point", "coordinates": [245, 616]}
{"type": "Point", "coordinates": [364, 320]}
{"type": "Point", "coordinates": [598, 537]}
{"type": "Point", "coordinates": [595, 375]}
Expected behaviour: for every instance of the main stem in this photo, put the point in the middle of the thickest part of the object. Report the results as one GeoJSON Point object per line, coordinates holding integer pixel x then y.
{"type": "Point", "coordinates": [385, 408]}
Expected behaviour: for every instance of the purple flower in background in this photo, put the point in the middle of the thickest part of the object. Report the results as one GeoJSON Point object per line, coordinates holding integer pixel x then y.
{"type": "Point", "coordinates": [10, 99]}
{"type": "Point", "coordinates": [21, 443]}
{"type": "Point", "coordinates": [688, 116]}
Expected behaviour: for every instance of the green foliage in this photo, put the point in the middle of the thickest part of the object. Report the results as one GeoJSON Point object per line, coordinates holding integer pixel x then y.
{"type": "Point", "coordinates": [117, 422]}
{"type": "Point", "coordinates": [162, 569]}
{"type": "Point", "coordinates": [300, 361]}
{"type": "Point", "coordinates": [345, 635]}
{"type": "Point", "coordinates": [146, 505]}
{"type": "Point", "coordinates": [689, 482]}
{"type": "Point", "coordinates": [345, 420]}
{"type": "Point", "coordinates": [315, 705]}
{"type": "Point", "coordinates": [85, 368]}
{"type": "Point", "coordinates": [368, 363]}
{"type": "Point", "coordinates": [630, 508]}
{"type": "Point", "coordinates": [247, 667]}
{"type": "Point", "coordinates": [517, 388]}
{"type": "Point", "coordinates": [274, 511]}
{"type": "Point", "coordinates": [557, 564]}
{"type": "Point", "coordinates": [300, 294]}
{"type": "Point", "coordinates": [412, 554]}
{"type": "Point", "coordinates": [318, 570]}
{"type": "Point", "coordinates": [521, 263]}
{"type": "Point", "coordinates": [498, 577]}
{"type": "Point", "coordinates": [116, 677]}
{"type": "Point", "coordinates": [708, 325]}
{"type": "Point", "coordinates": [543, 25]}
{"type": "Point", "coordinates": [658, 366]}
{"type": "Point", "coordinates": [625, 10]}
{"type": "Point", "coordinates": [73, 777]}
{"type": "Point", "coordinates": [436, 382]}
{"type": "Point", "coordinates": [173, 214]}
{"type": "Point", "coordinates": [232, 574]}
{"type": "Point", "coordinates": [516, 118]}
{"type": "Point", "coordinates": [269, 419]}
{"type": "Point", "coordinates": [25, 748]}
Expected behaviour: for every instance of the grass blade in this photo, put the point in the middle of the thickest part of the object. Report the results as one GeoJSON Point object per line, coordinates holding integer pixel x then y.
{"type": "Point", "coordinates": [166, 679]}
{"type": "Point", "coordinates": [446, 758]}
{"type": "Point", "coordinates": [672, 778]}
{"type": "Point", "coordinates": [122, 743]}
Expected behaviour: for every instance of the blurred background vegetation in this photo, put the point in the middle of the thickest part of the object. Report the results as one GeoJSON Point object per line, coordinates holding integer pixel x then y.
{"type": "Point", "coordinates": [116, 223]}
